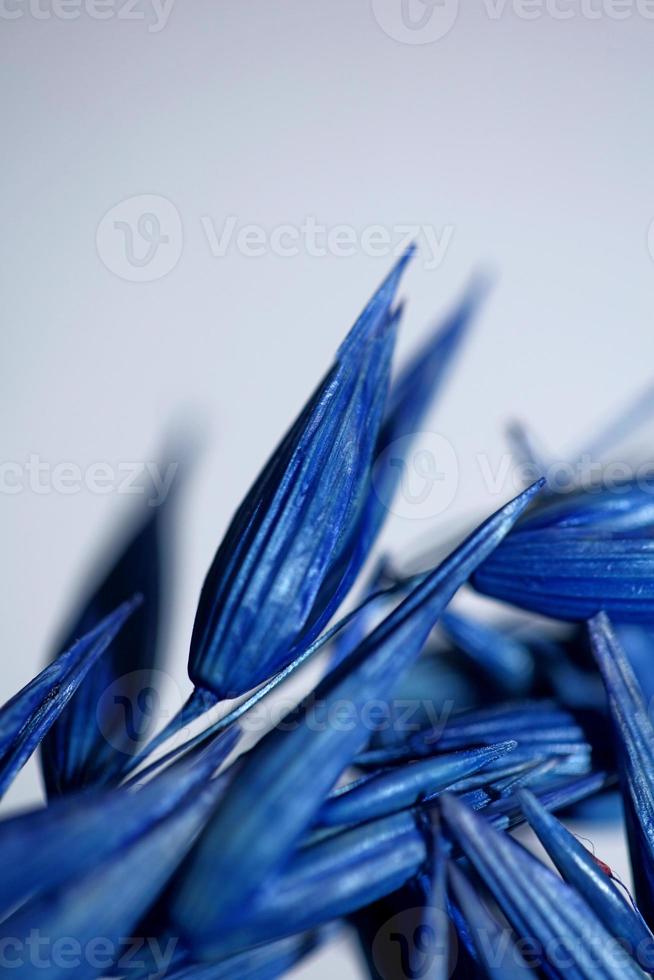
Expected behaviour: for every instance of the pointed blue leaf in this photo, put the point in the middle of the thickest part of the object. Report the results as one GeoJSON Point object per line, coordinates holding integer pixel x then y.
{"type": "Point", "coordinates": [577, 557]}
{"type": "Point", "coordinates": [42, 849]}
{"type": "Point", "coordinates": [638, 643]}
{"type": "Point", "coordinates": [627, 507]}
{"type": "Point", "coordinates": [494, 773]}
{"type": "Point", "coordinates": [556, 794]}
{"type": "Point", "coordinates": [326, 880]}
{"type": "Point", "coordinates": [77, 752]}
{"type": "Point", "coordinates": [488, 936]}
{"type": "Point", "coordinates": [537, 726]}
{"type": "Point", "coordinates": [263, 597]}
{"type": "Point", "coordinates": [26, 718]}
{"type": "Point", "coordinates": [285, 778]}
{"type": "Point", "coordinates": [580, 869]}
{"type": "Point", "coordinates": [536, 723]}
{"type": "Point", "coordinates": [538, 904]}
{"type": "Point", "coordinates": [107, 903]}
{"type": "Point", "coordinates": [396, 789]}
{"type": "Point", "coordinates": [634, 734]}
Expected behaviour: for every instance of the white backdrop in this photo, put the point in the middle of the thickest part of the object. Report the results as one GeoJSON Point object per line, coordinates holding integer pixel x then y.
{"type": "Point", "coordinates": [522, 144]}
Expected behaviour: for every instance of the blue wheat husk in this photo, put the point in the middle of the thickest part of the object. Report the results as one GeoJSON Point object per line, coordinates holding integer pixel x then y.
{"type": "Point", "coordinates": [397, 824]}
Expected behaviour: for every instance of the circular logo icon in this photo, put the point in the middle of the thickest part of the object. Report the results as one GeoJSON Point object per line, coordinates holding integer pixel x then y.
{"type": "Point", "coordinates": [416, 944]}
{"type": "Point", "coordinates": [140, 239]}
{"type": "Point", "coordinates": [416, 21]}
{"type": "Point", "coordinates": [134, 705]}
{"type": "Point", "coordinates": [416, 477]}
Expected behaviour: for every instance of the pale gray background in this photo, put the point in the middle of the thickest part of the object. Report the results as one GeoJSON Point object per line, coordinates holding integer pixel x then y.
{"type": "Point", "coordinates": [532, 139]}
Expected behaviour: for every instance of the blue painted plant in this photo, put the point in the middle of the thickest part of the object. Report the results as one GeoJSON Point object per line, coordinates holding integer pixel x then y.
{"type": "Point", "coordinates": [238, 858]}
